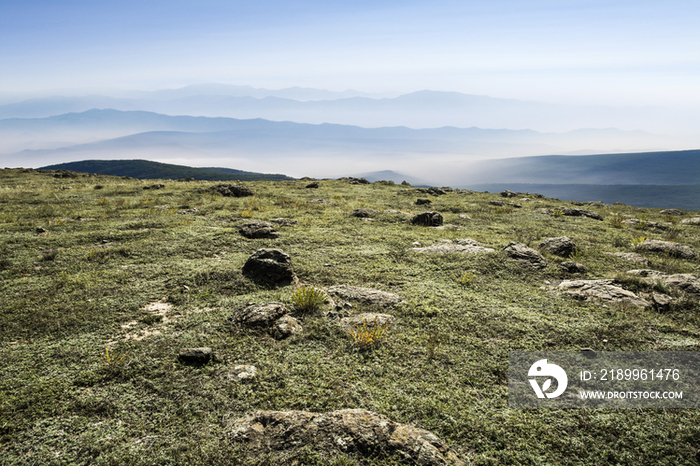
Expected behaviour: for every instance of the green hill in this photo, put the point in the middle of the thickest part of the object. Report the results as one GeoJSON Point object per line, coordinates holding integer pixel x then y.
{"type": "Point", "coordinates": [145, 169]}
{"type": "Point", "coordinates": [105, 284]}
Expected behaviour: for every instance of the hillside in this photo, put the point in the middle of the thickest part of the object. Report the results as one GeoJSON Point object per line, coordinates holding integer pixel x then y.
{"type": "Point", "coordinates": [108, 289]}
{"type": "Point", "coordinates": [146, 169]}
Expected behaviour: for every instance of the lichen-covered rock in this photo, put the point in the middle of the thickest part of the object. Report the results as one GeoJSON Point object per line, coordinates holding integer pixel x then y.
{"type": "Point", "coordinates": [601, 291]}
{"type": "Point", "coordinates": [258, 315]}
{"type": "Point", "coordinates": [270, 267]}
{"type": "Point", "coordinates": [366, 296]}
{"type": "Point", "coordinates": [427, 219]}
{"type": "Point", "coordinates": [559, 246]}
{"type": "Point", "coordinates": [524, 254]}
{"type": "Point", "coordinates": [285, 327]}
{"type": "Point", "coordinates": [356, 431]}
{"type": "Point", "coordinates": [637, 223]}
{"type": "Point", "coordinates": [687, 282]}
{"type": "Point", "coordinates": [668, 247]}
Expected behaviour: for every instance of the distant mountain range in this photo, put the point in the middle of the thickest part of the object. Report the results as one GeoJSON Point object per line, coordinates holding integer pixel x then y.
{"type": "Point", "coordinates": [147, 170]}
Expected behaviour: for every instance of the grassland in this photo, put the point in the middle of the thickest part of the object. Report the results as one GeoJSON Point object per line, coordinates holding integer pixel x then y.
{"type": "Point", "coordinates": [140, 274]}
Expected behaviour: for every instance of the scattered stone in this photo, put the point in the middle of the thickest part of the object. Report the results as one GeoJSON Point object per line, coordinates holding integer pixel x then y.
{"type": "Point", "coordinates": [647, 224]}
{"type": "Point", "coordinates": [691, 221]}
{"type": "Point", "coordinates": [687, 282]}
{"type": "Point", "coordinates": [285, 222]}
{"type": "Point", "coordinates": [259, 315]}
{"type": "Point", "coordinates": [231, 190]}
{"type": "Point", "coordinates": [155, 186]}
{"type": "Point", "coordinates": [356, 431]}
{"type": "Point", "coordinates": [363, 213]}
{"type": "Point", "coordinates": [661, 302]}
{"type": "Point", "coordinates": [573, 212]}
{"type": "Point", "coordinates": [676, 212]}
{"type": "Point", "coordinates": [497, 202]}
{"type": "Point", "coordinates": [427, 219]}
{"type": "Point", "coordinates": [560, 246]}
{"type": "Point", "coordinates": [196, 355]}
{"type": "Point", "coordinates": [257, 230]}
{"type": "Point", "coordinates": [601, 291]}
{"type": "Point", "coordinates": [630, 256]}
{"type": "Point", "coordinates": [242, 372]}
{"type": "Point", "coordinates": [508, 193]}
{"type": "Point", "coordinates": [285, 327]}
{"type": "Point", "coordinates": [464, 246]}
{"type": "Point", "coordinates": [313, 185]}
{"type": "Point", "coordinates": [422, 201]}
{"type": "Point", "coordinates": [367, 296]}
{"type": "Point", "coordinates": [522, 253]}
{"type": "Point", "coordinates": [271, 267]}
{"type": "Point", "coordinates": [668, 247]}
{"type": "Point", "coordinates": [573, 267]}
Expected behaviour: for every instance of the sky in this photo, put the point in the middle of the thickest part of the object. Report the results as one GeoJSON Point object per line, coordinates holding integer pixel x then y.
{"type": "Point", "coordinates": [614, 52]}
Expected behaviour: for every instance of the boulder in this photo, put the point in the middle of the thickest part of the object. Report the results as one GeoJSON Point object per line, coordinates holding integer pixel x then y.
{"type": "Point", "coordinates": [427, 219]}
{"type": "Point", "coordinates": [573, 267]}
{"type": "Point", "coordinates": [603, 291]}
{"type": "Point", "coordinates": [661, 302]}
{"type": "Point", "coordinates": [285, 327]}
{"type": "Point", "coordinates": [508, 193]}
{"type": "Point", "coordinates": [232, 190]}
{"type": "Point", "coordinates": [668, 247]}
{"type": "Point", "coordinates": [259, 315]}
{"type": "Point", "coordinates": [464, 246]}
{"type": "Point", "coordinates": [313, 185]}
{"type": "Point", "coordinates": [366, 296]}
{"type": "Point", "coordinates": [195, 355]}
{"type": "Point", "coordinates": [422, 201]}
{"type": "Point", "coordinates": [355, 431]}
{"type": "Point", "coordinates": [271, 267]}
{"type": "Point", "coordinates": [363, 213]}
{"type": "Point", "coordinates": [258, 230]}
{"type": "Point", "coordinates": [521, 253]}
{"type": "Point", "coordinates": [559, 246]}
{"type": "Point", "coordinates": [687, 282]}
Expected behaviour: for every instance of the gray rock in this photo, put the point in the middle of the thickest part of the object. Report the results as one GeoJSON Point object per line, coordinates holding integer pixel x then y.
{"type": "Point", "coordinates": [630, 256]}
{"type": "Point", "coordinates": [242, 372]}
{"type": "Point", "coordinates": [367, 296]}
{"type": "Point", "coordinates": [661, 302]}
{"type": "Point", "coordinates": [232, 190]}
{"type": "Point", "coordinates": [687, 282]}
{"type": "Point", "coordinates": [285, 222]}
{"type": "Point", "coordinates": [155, 186]}
{"type": "Point", "coordinates": [270, 267]}
{"type": "Point", "coordinates": [196, 355]}
{"type": "Point", "coordinates": [573, 212]}
{"type": "Point", "coordinates": [285, 327]}
{"type": "Point", "coordinates": [601, 291]}
{"type": "Point", "coordinates": [258, 230]}
{"type": "Point", "coordinates": [691, 221]}
{"type": "Point", "coordinates": [524, 254]}
{"type": "Point", "coordinates": [259, 315]}
{"type": "Point", "coordinates": [573, 267]}
{"type": "Point", "coordinates": [370, 319]}
{"type": "Point", "coordinates": [427, 219]}
{"type": "Point", "coordinates": [464, 246]}
{"type": "Point", "coordinates": [672, 212]}
{"type": "Point", "coordinates": [354, 431]}
{"type": "Point", "coordinates": [647, 224]}
{"type": "Point", "coordinates": [668, 247]}
{"type": "Point", "coordinates": [559, 246]}
{"type": "Point", "coordinates": [497, 202]}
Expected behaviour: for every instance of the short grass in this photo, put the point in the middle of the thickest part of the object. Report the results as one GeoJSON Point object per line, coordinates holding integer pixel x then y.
{"type": "Point", "coordinates": [110, 249]}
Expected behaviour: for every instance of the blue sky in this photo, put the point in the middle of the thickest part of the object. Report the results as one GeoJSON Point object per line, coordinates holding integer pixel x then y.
{"type": "Point", "coordinates": [565, 51]}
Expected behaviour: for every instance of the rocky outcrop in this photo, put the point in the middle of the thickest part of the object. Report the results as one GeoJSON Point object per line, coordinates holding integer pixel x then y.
{"type": "Point", "coordinates": [667, 247]}
{"type": "Point", "coordinates": [525, 255]}
{"type": "Point", "coordinates": [604, 291]}
{"type": "Point", "coordinates": [559, 246]}
{"type": "Point", "coordinates": [687, 282]}
{"type": "Point", "coordinates": [366, 296]}
{"type": "Point", "coordinates": [270, 267]}
{"type": "Point", "coordinates": [356, 431]}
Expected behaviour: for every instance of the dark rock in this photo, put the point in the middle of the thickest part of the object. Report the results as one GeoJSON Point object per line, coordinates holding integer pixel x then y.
{"type": "Point", "coordinates": [312, 185]}
{"type": "Point", "coordinates": [497, 202]}
{"type": "Point", "coordinates": [196, 355]}
{"type": "Point", "coordinates": [232, 190]}
{"type": "Point", "coordinates": [155, 186]}
{"type": "Point", "coordinates": [524, 254]}
{"type": "Point", "coordinates": [668, 247]}
{"type": "Point", "coordinates": [619, 204]}
{"type": "Point", "coordinates": [574, 212]}
{"type": "Point", "coordinates": [40, 230]}
{"type": "Point", "coordinates": [354, 431]}
{"type": "Point", "coordinates": [65, 174]}
{"type": "Point", "coordinates": [560, 246]}
{"type": "Point", "coordinates": [405, 183]}
{"type": "Point", "coordinates": [271, 267]}
{"type": "Point", "coordinates": [596, 203]}
{"type": "Point", "coordinates": [427, 219]}
{"type": "Point", "coordinates": [352, 180]}
{"type": "Point", "coordinates": [672, 212]}
{"type": "Point", "coordinates": [508, 193]}
{"type": "Point", "coordinates": [576, 203]}
{"type": "Point", "coordinates": [423, 201]}
{"type": "Point", "coordinates": [258, 230]}
{"type": "Point", "coordinates": [363, 213]}
{"type": "Point", "coordinates": [259, 315]}
{"type": "Point", "coordinates": [573, 267]}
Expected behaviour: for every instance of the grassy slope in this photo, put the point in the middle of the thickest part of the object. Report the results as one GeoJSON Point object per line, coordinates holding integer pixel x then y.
{"type": "Point", "coordinates": [81, 287]}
